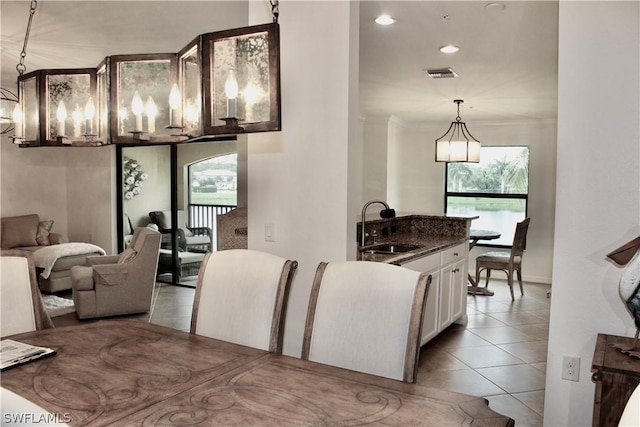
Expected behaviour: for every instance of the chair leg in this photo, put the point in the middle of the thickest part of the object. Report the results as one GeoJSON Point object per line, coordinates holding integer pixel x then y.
{"type": "Point", "coordinates": [510, 283]}
{"type": "Point", "coordinates": [486, 283]}
{"type": "Point", "coordinates": [519, 272]}
{"type": "Point", "coordinates": [475, 287]}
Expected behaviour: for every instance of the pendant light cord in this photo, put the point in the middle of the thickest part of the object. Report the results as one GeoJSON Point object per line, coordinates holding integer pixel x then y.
{"type": "Point", "coordinates": [32, 10]}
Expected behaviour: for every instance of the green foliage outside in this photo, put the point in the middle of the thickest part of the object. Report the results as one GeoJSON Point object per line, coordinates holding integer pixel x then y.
{"type": "Point", "coordinates": [460, 204]}
{"type": "Point", "coordinates": [225, 198]}
{"type": "Point", "coordinates": [502, 170]}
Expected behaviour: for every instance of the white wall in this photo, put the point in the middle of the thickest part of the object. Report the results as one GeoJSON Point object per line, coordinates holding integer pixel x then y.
{"type": "Point", "coordinates": [415, 182]}
{"type": "Point", "coordinates": [374, 170]}
{"type": "Point", "coordinates": [302, 179]}
{"type": "Point", "coordinates": [597, 191]}
{"type": "Point", "coordinates": [70, 185]}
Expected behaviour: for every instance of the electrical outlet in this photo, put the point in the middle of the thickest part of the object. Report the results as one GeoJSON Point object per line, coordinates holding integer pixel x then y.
{"type": "Point", "coordinates": [570, 368]}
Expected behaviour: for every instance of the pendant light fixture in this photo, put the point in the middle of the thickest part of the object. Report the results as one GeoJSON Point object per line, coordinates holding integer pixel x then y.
{"type": "Point", "coordinates": [457, 144]}
{"type": "Point", "coordinates": [220, 84]}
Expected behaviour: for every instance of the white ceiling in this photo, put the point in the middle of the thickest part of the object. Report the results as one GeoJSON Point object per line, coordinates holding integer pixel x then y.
{"type": "Point", "coordinates": [507, 63]}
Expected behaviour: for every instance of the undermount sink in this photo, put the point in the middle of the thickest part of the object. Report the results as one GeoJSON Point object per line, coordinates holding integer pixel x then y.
{"type": "Point", "coordinates": [391, 248]}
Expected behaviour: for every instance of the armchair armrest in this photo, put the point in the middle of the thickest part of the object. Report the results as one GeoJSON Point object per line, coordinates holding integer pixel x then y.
{"type": "Point", "coordinates": [110, 274]}
{"type": "Point", "coordinates": [102, 259]}
{"type": "Point", "coordinates": [203, 231]}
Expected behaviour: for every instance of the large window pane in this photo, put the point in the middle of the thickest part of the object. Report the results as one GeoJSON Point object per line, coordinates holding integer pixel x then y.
{"type": "Point", "coordinates": [494, 214]}
{"type": "Point", "coordinates": [496, 190]}
{"type": "Point", "coordinates": [502, 170]}
{"type": "Point", "coordinates": [214, 181]}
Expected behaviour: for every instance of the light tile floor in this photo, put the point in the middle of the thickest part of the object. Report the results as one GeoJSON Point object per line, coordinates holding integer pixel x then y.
{"type": "Point", "coordinates": [500, 354]}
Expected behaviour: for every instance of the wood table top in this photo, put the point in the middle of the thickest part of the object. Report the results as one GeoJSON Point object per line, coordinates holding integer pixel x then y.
{"type": "Point", "coordinates": [127, 372]}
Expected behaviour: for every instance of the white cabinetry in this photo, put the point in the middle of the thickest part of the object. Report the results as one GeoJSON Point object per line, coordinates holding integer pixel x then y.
{"type": "Point", "coordinates": [447, 298]}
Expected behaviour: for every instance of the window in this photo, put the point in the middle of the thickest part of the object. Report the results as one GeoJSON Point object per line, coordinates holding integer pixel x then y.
{"type": "Point", "coordinates": [214, 181]}
{"type": "Point", "coordinates": [496, 190]}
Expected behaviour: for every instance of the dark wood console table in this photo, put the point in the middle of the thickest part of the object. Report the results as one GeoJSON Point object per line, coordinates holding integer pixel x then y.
{"type": "Point", "coordinates": [616, 376]}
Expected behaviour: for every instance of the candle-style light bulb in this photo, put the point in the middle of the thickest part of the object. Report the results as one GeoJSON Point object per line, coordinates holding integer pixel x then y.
{"type": "Point", "coordinates": [152, 111]}
{"type": "Point", "coordinates": [231, 90]}
{"type": "Point", "coordinates": [89, 114]}
{"type": "Point", "coordinates": [136, 108]}
{"type": "Point", "coordinates": [250, 95]}
{"type": "Point", "coordinates": [175, 101]}
{"type": "Point", "coordinates": [77, 117]}
{"type": "Point", "coordinates": [17, 120]}
{"type": "Point", "coordinates": [61, 115]}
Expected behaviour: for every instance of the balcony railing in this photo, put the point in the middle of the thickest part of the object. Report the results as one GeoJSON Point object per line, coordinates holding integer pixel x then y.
{"type": "Point", "coordinates": [207, 216]}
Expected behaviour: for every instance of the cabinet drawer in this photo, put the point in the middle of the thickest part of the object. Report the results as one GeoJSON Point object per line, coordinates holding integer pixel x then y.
{"type": "Point", "coordinates": [453, 254]}
{"type": "Point", "coordinates": [425, 264]}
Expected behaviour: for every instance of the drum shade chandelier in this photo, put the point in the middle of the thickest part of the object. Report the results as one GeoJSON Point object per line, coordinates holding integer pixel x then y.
{"type": "Point", "coordinates": [220, 84]}
{"type": "Point", "coordinates": [457, 144]}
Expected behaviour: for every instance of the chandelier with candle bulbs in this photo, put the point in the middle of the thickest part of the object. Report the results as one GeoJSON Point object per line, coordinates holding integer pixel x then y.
{"type": "Point", "coordinates": [222, 83]}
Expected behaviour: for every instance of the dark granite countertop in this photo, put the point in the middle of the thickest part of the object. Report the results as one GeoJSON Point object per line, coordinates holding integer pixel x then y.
{"type": "Point", "coordinates": [429, 233]}
{"type": "Point", "coordinates": [426, 246]}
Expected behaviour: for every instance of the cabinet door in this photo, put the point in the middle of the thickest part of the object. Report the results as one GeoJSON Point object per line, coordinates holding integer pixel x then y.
{"type": "Point", "coordinates": [430, 323]}
{"type": "Point", "coordinates": [459, 290]}
{"type": "Point", "coordinates": [446, 293]}
{"type": "Point", "coordinates": [430, 317]}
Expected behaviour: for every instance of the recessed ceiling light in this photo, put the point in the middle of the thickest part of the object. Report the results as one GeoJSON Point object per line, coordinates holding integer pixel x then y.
{"type": "Point", "coordinates": [384, 20]}
{"type": "Point", "coordinates": [449, 49]}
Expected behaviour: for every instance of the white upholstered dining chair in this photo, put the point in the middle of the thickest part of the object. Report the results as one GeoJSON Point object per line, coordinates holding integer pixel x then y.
{"type": "Point", "coordinates": [17, 301]}
{"type": "Point", "coordinates": [241, 297]}
{"type": "Point", "coordinates": [366, 317]}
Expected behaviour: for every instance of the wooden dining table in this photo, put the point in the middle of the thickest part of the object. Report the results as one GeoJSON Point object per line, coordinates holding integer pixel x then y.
{"type": "Point", "coordinates": [132, 373]}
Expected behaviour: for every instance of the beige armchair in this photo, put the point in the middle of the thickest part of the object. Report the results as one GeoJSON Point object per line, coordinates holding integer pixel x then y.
{"type": "Point", "coordinates": [118, 284]}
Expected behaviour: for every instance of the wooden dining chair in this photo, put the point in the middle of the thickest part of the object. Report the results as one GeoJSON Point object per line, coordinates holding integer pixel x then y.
{"type": "Point", "coordinates": [366, 317]}
{"type": "Point", "coordinates": [509, 262]}
{"type": "Point", "coordinates": [241, 297]}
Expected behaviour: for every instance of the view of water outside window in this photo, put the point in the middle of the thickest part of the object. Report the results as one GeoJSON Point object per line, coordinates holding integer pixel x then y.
{"type": "Point", "coordinates": [496, 190]}
{"type": "Point", "coordinates": [214, 181]}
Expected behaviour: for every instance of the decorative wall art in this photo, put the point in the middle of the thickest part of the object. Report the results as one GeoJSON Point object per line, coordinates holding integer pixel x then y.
{"type": "Point", "coordinates": [132, 178]}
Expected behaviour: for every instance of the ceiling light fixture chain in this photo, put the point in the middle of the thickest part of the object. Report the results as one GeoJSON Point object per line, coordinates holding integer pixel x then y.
{"type": "Point", "coordinates": [275, 10]}
{"type": "Point", "coordinates": [32, 10]}
{"type": "Point", "coordinates": [458, 101]}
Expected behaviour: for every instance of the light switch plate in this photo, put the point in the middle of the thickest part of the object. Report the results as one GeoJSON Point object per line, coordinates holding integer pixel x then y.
{"type": "Point", "coordinates": [269, 232]}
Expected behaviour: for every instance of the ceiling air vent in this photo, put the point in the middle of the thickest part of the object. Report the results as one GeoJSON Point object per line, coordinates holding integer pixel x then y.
{"type": "Point", "coordinates": [442, 73]}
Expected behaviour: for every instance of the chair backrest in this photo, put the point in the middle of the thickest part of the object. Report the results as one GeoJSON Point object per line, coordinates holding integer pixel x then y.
{"type": "Point", "coordinates": [367, 317]}
{"type": "Point", "coordinates": [163, 219]}
{"type": "Point", "coordinates": [16, 300]}
{"type": "Point", "coordinates": [241, 297]}
{"type": "Point", "coordinates": [519, 240]}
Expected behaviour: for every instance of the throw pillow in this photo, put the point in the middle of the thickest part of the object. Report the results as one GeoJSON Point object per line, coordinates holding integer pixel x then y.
{"type": "Point", "coordinates": [19, 231]}
{"type": "Point", "coordinates": [127, 255]}
{"type": "Point", "coordinates": [42, 236]}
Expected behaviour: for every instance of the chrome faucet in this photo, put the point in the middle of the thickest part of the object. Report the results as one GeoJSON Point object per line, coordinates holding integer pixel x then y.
{"type": "Point", "coordinates": [390, 213]}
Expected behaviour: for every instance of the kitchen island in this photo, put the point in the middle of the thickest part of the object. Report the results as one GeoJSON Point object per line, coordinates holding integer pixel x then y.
{"type": "Point", "coordinates": [438, 245]}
